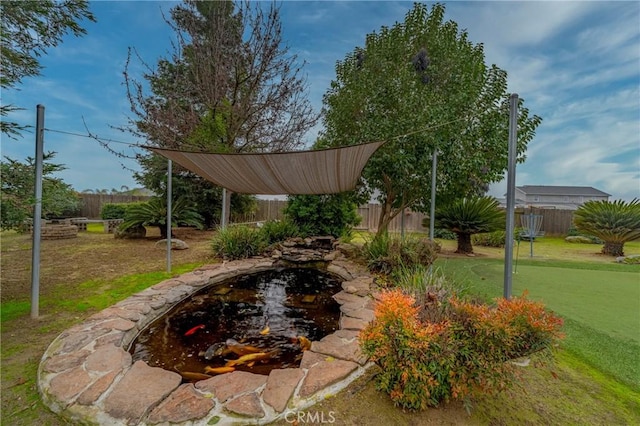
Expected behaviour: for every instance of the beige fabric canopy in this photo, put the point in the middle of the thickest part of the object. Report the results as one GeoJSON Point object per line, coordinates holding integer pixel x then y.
{"type": "Point", "coordinates": [326, 171]}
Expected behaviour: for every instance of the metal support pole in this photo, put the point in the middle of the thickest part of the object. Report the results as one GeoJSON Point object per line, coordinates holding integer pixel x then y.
{"type": "Point", "coordinates": [37, 214]}
{"type": "Point", "coordinates": [511, 193]}
{"type": "Point", "coordinates": [432, 209]}
{"type": "Point", "coordinates": [224, 219]}
{"type": "Point", "coordinates": [169, 215]}
{"type": "Point", "coordinates": [531, 233]}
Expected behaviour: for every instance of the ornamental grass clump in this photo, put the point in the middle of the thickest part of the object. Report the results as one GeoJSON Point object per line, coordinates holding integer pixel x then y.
{"type": "Point", "coordinates": [274, 231]}
{"type": "Point", "coordinates": [386, 254]}
{"type": "Point", "coordinates": [238, 242]}
{"type": "Point", "coordinates": [466, 350]}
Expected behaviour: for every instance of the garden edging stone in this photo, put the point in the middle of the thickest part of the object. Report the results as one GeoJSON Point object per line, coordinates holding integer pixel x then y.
{"type": "Point", "coordinates": [87, 375]}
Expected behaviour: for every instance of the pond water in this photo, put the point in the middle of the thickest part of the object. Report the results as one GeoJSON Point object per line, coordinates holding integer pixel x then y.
{"type": "Point", "coordinates": [254, 323]}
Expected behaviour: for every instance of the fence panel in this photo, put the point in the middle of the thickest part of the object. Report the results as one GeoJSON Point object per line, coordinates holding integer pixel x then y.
{"type": "Point", "coordinates": [554, 222]}
{"type": "Point", "coordinates": [91, 204]}
{"type": "Point", "coordinates": [266, 210]}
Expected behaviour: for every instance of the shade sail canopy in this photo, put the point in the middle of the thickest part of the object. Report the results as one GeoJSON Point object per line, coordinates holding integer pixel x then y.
{"type": "Point", "coordinates": [326, 171]}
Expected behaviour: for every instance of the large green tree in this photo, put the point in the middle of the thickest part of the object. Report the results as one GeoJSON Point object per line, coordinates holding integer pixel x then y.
{"type": "Point", "coordinates": [230, 85]}
{"type": "Point", "coordinates": [422, 86]}
{"type": "Point", "coordinates": [28, 29]}
{"type": "Point", "coordinates": [17, 199]}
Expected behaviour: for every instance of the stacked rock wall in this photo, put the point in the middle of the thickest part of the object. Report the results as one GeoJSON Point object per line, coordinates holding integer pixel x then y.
{"type": "Point", "coordinates": [58, 232]}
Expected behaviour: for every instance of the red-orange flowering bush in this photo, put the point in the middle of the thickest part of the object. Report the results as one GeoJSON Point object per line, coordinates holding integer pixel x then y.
{"type": "Point", "coordinates": [425, 363]}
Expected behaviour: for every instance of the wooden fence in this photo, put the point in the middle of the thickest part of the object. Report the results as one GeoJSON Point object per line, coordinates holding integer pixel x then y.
{"type": "Point", "coordinates": [91, 204]}
{"type": "Point", "coordinates": [267, 210]}
{"type": "Point", "coordinates": [554, 222]}
{"type": "Point", "coordinates": [409, 220]}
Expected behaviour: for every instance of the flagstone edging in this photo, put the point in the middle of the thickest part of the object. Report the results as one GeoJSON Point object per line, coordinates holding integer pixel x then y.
{"type": "Point", "coordinates": [86, 375]}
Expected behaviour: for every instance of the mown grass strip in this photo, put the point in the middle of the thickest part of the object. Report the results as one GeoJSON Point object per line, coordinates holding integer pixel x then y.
{"type": "Point", "coordinates": [92, 295]}
{"type": "Point", "coordinates": [614, 357]}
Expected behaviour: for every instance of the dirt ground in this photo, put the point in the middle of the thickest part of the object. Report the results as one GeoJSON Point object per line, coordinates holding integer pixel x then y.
{"type": "Point", "coordinates": [92, 256]}
{"type": "Point", "coordinates": [64, 265]}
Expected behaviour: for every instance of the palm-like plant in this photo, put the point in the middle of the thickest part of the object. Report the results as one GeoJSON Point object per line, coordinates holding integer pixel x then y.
{"type": "Point", "coordinates": [468, 216]}
{"type": "Point", "coordinates": [154, 213]}
{"type": "Point", "coordinates": [614, 222]}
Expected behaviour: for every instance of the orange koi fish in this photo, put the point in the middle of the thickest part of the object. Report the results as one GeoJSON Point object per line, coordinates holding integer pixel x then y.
{"type": "Point", "coordinates": [251, 358]}
{"type": "Point", "coordinates": [240, 349]}
{"type": "Point", "coordinates": [194, 329]}
{"type": "Point", "coordinates": [265, 331]}
{"type": "Point", "coordinates": [218, 370]}
{"type": "Point", "coordinates": [305, 344]}
{"type": "Point", "coordinates": [193, 377]}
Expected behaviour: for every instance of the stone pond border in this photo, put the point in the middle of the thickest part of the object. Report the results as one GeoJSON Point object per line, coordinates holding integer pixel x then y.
{"type": "Point", "coordinates": [86, 375]}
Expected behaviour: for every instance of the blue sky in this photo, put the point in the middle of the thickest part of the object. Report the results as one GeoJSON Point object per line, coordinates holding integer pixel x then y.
{"type": "Point", "coordinates": [576, 64]}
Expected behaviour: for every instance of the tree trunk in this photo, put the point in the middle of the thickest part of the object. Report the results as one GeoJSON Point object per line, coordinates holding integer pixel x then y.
{"type": "Point", "coordinates": [385, 218]}
{"type": "Point", "coordinates": [464, 244]}
{"type": "Point", "coordinates": [163, 232]}
{"type": "Point", "coordinates": [613, 248]}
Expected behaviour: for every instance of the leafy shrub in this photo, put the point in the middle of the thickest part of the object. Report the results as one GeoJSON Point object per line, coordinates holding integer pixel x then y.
{"type": "Point", "coordinates": [573, 232]}
{"type": "Point", "coordinates": [424, 363]}
{"type": "Point", "coordinates": [386, 253]}
{"type": "Point", "coordinates": [334, 214]}
{"type": "Point", "coordinates": [444, 234]}
{"type": "Point", "coordinates": [17, 191]}
{"type": "Point", "coordinates": [581, 239]}
{"type": "Point", "coordinates": [631, 260]}
{"type": "Point", "coordinates": [274, 231]}
{"type": "Point", "coordinates": [238, 242]}
{"type": "Point", "coordinates": [113, 210]}
{"type": "Point", "coordinates": [490, 239]}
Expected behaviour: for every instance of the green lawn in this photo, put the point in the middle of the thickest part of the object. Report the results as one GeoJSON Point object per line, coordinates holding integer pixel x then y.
{"type": "Point", "coordinates": [97, 228]}
{"type": "Point", "coordinates": [600, 304]}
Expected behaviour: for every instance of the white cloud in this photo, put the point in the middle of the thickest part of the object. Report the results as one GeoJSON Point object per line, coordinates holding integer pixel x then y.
{"type": "Point", "coordinates": [577, 64]}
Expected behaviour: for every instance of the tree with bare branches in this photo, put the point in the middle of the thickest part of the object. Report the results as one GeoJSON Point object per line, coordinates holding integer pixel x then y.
{"type": "Point", "coordinates": [229, 85]}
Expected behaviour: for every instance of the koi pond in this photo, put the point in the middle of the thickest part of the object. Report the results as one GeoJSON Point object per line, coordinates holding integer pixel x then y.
{"type": "Point", "coordinates": [253, 323]}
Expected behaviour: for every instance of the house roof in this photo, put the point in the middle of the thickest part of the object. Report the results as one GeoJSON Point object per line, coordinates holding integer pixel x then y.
{"type": "Point", "coordinates": [561, 190]}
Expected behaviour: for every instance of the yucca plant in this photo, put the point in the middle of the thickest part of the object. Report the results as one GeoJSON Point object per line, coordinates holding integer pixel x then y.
{"type": "Point", "coordinates": [614, 222]}
{"type": "Point", "coordinates": [468, 216]}
{"type": "Point", "coordinates": [154, 213]}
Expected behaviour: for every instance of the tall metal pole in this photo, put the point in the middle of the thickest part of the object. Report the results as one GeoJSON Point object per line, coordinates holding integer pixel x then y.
{"type": "Point", "coordinates": [531, 233]}
{"type": "Point", "coordinates": [432, 210]}
{"type": "Point", "coordinates": [511, 193]}
{"type": "Point", "coordinates": [224, 219]}
{"type": "Point", "coordinates": [169, 208]}
{"type": "Point", "coordinates": [37, 214]}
